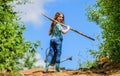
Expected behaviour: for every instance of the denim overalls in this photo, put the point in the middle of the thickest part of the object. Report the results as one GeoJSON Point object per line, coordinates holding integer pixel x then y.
{"type": "Point", "coordinates": [55, 44]}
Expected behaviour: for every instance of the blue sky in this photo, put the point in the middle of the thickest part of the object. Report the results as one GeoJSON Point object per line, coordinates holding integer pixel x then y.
{"type": "Point", "coordinates": [74, 45]}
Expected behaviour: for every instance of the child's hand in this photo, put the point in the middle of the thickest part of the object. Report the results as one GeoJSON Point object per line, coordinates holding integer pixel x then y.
{"type": "Point", "coordinates": [68, 27]}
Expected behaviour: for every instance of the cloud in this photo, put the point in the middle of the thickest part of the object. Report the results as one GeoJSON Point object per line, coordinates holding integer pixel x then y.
{"type": "Point", "coordinates": [31, 11]}
{"type": "Point", "coordinates": [40, 61]}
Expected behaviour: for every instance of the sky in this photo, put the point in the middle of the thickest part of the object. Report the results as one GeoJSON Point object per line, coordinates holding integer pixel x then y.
{"type": "Point", "coordinates": [74, 45]}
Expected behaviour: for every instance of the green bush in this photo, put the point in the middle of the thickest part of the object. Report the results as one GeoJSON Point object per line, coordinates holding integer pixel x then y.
{"type": "Point", "coordinates": [13, 46]}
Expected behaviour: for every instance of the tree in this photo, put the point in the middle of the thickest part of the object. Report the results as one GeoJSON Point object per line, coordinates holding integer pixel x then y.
{"type": "Point", "coordinates": [13, 46]}
{"type": "Point", "coordinates": [28, 60]}
{"type": "Point", "coordinates": [106, 13]}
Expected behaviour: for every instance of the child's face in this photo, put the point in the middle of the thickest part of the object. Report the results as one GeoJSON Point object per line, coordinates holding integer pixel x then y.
{"type": "Point", "coordinates": [60, 18]}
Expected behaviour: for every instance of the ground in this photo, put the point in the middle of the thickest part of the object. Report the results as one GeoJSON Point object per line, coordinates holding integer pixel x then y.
{"type": "Point", "coordinates": [104, 69]}
{"type": "Point", "coordinates": [81, 72]}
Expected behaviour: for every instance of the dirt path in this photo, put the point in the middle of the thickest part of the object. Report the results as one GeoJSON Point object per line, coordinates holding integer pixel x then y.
{"type": "Point", "coordinates": [39, 72]}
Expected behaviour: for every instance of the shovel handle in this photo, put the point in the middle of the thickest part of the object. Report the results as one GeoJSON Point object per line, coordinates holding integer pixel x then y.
{"type": "Point", "coordinates": [70, 28]}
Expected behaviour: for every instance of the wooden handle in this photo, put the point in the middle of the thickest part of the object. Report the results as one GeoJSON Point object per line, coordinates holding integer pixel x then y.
{"type": "Point", "coordinates": [70, 29]}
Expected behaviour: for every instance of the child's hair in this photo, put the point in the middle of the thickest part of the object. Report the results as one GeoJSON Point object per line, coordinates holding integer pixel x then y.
{"type": "Point", "coordinates": [53, 23]}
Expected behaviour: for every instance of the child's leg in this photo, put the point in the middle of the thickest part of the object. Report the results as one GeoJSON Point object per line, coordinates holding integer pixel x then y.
{"type": "Point", "coordinates": [58, 54]}
{"type": "Point", "coordinates": [50, 55]}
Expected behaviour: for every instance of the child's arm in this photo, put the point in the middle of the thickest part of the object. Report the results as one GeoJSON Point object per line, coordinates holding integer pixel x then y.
{"type": "Point", "coordinates": [66, 30]}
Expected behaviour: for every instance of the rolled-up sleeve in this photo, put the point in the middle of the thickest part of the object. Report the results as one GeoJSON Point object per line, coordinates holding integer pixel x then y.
{"type": "Point", "coordinates": [59, 26]}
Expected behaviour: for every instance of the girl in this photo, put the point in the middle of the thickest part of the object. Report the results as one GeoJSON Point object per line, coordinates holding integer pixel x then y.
{"type": "Point", "coordinates": [55, 32]}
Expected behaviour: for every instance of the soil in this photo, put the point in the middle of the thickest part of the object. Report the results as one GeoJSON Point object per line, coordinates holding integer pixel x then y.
{"type": "Point", "coordinates": [104, 69]}
{"type": "Point", "coordinates": [39, 72]}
